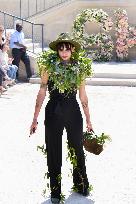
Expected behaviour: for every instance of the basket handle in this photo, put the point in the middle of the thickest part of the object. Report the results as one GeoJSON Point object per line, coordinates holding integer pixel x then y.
{"type": "Point", "coordinates": [91, 131]}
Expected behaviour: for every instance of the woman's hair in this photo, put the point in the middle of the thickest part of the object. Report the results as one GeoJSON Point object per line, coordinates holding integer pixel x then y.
{"type": "Point", "coordinates": [2, 46]}
{"type": "Point", "coordinates": [62, 45]}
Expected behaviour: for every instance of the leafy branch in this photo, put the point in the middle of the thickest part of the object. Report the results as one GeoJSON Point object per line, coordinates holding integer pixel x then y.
{"type": "Point", "coordinates": [101, 139]}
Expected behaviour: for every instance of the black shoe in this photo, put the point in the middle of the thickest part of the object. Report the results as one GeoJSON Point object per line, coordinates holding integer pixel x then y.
{"type": "Point", "coordinates": [27, 80]}
{"type": "Point", "coordinates": [83, 193]}
{"type": "Point", "coordinates": [55, 200]}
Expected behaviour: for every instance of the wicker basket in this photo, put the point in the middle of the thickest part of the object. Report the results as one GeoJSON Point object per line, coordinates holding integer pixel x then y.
{"type": "Point", "coordinates": [94, 143]}
{"type": "Point", "coordinates": [92, 146]}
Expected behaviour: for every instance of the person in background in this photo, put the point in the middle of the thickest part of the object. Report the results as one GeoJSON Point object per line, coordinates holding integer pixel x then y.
{"type": "Point", "coordinates": [19, 50]}
{"type": "Point", "coordinates": [6, 63]}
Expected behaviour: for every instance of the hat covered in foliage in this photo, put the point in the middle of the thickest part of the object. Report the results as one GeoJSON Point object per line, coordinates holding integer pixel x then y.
{"type": "Point", "coordinates": [64, 37]}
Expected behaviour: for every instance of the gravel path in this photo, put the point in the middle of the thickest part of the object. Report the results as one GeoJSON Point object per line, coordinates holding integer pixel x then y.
{"type": "Point", "coordinates": [22, 167]}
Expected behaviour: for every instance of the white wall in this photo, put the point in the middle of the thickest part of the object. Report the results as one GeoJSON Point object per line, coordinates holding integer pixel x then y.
{"type": "Point", "coordinates": [61, 19]}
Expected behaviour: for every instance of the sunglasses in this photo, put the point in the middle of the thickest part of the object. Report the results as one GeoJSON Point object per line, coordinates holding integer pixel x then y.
{"type": "Point", "coordinates": [1, 30]}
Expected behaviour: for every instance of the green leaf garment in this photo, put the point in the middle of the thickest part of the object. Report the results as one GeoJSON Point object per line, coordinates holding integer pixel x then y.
{"type": "Point", "coordinates": [65, 76]}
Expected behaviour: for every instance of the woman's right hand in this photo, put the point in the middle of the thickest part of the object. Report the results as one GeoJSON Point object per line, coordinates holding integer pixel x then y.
{"type": "Point", "coordinates": [33, 127]}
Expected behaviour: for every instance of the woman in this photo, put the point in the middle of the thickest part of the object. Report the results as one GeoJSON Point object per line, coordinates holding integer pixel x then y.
{"type": "Point", "coordinates": [62, 73]}
{"type": "Point", "coordinates": [2, 38]}
{"type": "Point", "coordinates": [6, 62]}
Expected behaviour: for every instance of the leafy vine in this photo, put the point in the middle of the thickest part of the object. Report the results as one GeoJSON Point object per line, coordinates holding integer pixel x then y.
{"type": "Point", "coordinates": [101, 40]}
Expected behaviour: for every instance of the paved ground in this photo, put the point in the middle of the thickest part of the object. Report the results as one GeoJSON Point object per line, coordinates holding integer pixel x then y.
{"type": "Point", "coordinates": [22, 167]}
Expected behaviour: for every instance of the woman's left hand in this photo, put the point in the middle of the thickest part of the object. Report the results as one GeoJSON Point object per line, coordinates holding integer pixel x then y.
{"type": "Point", "coordinates": [89, 126]}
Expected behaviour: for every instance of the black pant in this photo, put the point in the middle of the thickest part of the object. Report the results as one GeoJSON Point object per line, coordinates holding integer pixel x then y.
{"type": "Point", "coordinates": [20, 54]}
{"type": "Point", "coordinates": [57, 116]}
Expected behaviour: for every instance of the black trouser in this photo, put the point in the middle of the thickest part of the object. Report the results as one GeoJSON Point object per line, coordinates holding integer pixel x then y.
{"type": "Point", "coordinates": [20, 54]}
{"type": "Point", "coordinates": [57, 116]}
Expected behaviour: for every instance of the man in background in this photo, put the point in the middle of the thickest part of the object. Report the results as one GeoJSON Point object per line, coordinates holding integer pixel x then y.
{"type": "Point", "coordinates": [19, 50]}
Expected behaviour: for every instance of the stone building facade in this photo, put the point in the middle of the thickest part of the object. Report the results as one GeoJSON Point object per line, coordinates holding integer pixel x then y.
{"type": "Point", "coordinates": [60, 18]}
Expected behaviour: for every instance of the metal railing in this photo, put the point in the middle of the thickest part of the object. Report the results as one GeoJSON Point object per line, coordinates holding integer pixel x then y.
{"type": "Point", "coordinates": [32, 7]}
{"type": "Point", "coordinates": [33, 32]}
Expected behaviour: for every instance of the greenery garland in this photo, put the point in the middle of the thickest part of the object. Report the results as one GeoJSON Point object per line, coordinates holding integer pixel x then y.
{"type": "Point", "coordinates": [66, 77]}
{"type": "Point", "coordinates": [101, 41]}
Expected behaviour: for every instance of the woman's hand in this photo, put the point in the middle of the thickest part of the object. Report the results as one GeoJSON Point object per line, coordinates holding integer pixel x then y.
{"type": "Point", "coordinates": [10, 60]}
{"type": "Point", "coordinates": [89, 126]}
{"type": "Point", "coordinates": [33, 127]}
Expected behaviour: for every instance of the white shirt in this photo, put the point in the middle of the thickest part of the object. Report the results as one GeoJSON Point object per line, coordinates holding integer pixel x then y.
{"type": "Point", "coordinates": [16, 37]}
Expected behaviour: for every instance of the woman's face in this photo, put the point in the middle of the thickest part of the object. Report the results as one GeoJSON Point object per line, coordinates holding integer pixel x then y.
{"type": "Point", "coordinates": [5, 48]}
{"type": "Point", "coordinates": [64, 53]}
{"type": "Point", "coordinates": [1, 30]}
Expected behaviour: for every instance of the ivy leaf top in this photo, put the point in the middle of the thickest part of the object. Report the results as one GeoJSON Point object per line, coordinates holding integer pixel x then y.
{"type": "Point", "coordinates": [65, 76]}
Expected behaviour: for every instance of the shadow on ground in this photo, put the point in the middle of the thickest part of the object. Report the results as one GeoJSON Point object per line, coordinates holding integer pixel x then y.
{"type": "Point", "coordinates": [74, 198]}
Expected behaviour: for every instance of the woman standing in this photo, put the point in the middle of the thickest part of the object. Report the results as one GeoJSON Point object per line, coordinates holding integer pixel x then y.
{"type": "Point", "coordinates": [64, 71]}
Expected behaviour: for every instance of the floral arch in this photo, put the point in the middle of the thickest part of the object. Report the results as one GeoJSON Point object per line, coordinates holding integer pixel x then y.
{"type": "Point", "coordinates": [126, 35]}
{"type": "Point", "coordinates": [101, 41]}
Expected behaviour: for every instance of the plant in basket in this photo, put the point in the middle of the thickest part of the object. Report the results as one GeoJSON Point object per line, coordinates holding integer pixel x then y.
{"type": "Point", "coordinates": [94, 143]}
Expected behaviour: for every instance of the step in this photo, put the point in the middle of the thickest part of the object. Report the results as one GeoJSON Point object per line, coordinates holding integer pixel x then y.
{"type": "Point", "coordinates": [37, 47]}
{"type": "Point", "coordinates": [115, 67]}
{"type": "Point", "coordinates": [35, 80]}
{"type": "Point", "coordinates": [110, 74]}
{"type": "Point", "coordinates": [115, 75]}
{"type": "Point", "coordinates": [110, 82]}
{"type": "Point", "coordinates": [30, 45]}
{"type": "Point", "coordinates": [123, 70]}
{"type": "Point", "coordinates": [99, 81]}
{"type": "Point", "coordinates": [28, 40]}
{"type": "Point", "coordinates": [37, 50]}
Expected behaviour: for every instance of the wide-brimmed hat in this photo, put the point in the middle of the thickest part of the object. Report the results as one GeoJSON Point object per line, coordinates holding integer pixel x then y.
{"type": "Point", "coordinates": [64, 37]}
